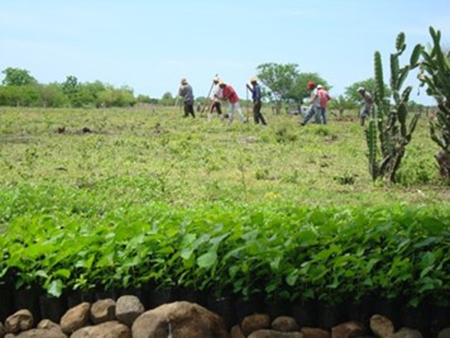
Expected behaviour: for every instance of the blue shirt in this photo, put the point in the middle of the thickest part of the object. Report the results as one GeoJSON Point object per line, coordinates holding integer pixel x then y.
{"type": "Point", "coordinates": [256, 93]}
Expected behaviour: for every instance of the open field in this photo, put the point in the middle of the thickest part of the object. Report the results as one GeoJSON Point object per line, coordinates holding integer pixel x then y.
{"type": "Point", "coordinates": [136, 156]}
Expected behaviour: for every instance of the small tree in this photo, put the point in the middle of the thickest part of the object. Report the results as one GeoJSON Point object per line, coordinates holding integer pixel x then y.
{"type": "Point", "coordinates": [18, 77]}
{"type": "Point", "coordinates": [280, 79]}
{"type": "Point", "coordinates": [435, 75]}
{"type": "Point", "coordinates": [341, 104]}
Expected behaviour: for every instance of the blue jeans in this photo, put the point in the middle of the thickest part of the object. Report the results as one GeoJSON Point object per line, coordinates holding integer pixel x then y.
{"type": "Point", "coordinates": [318, 112]}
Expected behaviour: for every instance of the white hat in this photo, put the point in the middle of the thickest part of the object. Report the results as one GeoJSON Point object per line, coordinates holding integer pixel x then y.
{"type": "Point", "coordinates": [319, 86]}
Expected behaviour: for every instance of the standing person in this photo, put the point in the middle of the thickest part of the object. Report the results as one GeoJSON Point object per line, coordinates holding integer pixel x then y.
{"type": "Point", "coordinates": [216, 95]}
{"type": "Point", "coordinates": [230, 95]}
{"type": "Point", "coordinates": [314, 101]}
{"type": "Point", "coordinates": [256, 96]}
{"type": "Point", "coordinates": [187, 94]}
{"type": "Point", "coordinates": [324, 97]}
{"type": "Point", "coordinates": [368, 104]}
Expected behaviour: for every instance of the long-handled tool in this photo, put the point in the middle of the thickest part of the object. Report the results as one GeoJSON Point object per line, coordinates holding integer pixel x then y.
{"type": "Point", "coordinates": [208, 96]}
{"type": "Point", "coordinates": [247, 102]}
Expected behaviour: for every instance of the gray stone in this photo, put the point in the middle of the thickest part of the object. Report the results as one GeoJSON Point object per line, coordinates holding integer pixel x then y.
{"type": "Point", "coordinates": [406, 333]}
{"type": "Point", "coordinates": [20, 321]}
{"type": "Point", "coordinates": [275, 334]}
{"type": "Point", "coordinates": [254, 323]}
{"type": "Point", "coordinates": [381, 326]}
{"type": "Point", "coordinates": [285, 324]}
{"type": "Point", "coordinates": [112, 329]}
{"type": "Point", "coordinates": [128, 308]}
{"type": "Point", "coordinates": [181, 319]}
{"type": "Point", "coordinates": [47, 324]}
{"type": "Point", "coordinates": [445, 333]}
{"type": "Point", "coordinates": [41, 333]}
{"type": "Point", "coordinates": [103, 311]}
{"type": "Point", "coordinates": [75, 318]}
{"type": "Point", "coordinates": [312, 332]}
{"type": "Point", "coordinates": [348, 330]}
{"type": "Point", "coordinates": [236, 332]}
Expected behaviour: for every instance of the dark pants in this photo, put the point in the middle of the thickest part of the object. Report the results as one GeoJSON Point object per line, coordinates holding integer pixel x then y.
{"type": "Point", "coordinates": [217, 106]}
{"type": "Point", "coordinates": [188, 109]}
{"type": "Point", "coordinates": [257, 115]}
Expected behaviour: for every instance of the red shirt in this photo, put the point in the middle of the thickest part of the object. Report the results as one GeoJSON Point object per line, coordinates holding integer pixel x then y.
{"type": "Point", "coordinates": [230, 94]}
{"type": "Point", "coordinates": [323, 97]}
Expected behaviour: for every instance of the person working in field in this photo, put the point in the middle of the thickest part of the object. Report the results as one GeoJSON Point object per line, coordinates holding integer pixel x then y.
{"type": "Point", "coordinates": [230, 95]}
{"type": "Point", "coordinates": [368, 104]}
{"type": "Point", "coordinates": [216, 95]}
{"type": "Point", "coordinates": [187, 94]}
{"type": "Point", "coordinates": [255, 89]}
{"type": "Point", "coordinates": [314, 108]}
{"type": "Point", "coordinates": [323, 97]}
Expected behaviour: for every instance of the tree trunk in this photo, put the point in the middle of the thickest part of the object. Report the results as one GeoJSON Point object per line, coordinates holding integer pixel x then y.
{"type": "Point", "coordinates": [443, 159]}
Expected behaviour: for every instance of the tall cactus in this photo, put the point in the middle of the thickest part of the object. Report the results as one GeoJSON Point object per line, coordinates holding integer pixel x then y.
{"type": "Point", "coordinates": [389, 120]}
{"type": "Point", "coordinates": [435, 73]}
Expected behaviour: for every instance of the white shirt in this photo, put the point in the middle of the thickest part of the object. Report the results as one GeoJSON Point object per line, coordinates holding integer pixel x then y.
{"type": "Point", "coordinates": [216, 92]}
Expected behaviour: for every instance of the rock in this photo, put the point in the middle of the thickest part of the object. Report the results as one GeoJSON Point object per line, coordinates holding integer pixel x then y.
{"type": "Point", "coordinates": [22, 320]}
{"type": "Point", "coordinates": [311, 332]}
{"type": "Point", "coordinates": [9, 335]}
{"type": "Point", "coordinates": [275, 334]}
{"type": "Point", "coordinates": [236, 332]}
{"type": "Point", "coordinates": [128, 308]}
{"type": "Point", "coordinates": [445, 333]}
{"type": "Point", "coordinates": [182, 319]}
{"type": "Point", "coordinates": [47, 324]}
{"type": "Point", "coordinates": [2, 330]}
{"type": "Point", "coordinates": [254, 323]}
{"type": "Point", "coordinates": [42, 333]}
{"type": "Point", "coordinates": [381, 326]}
{"type": "Point", "coordinates": [75, 318]}
{"type": "Point", "coordinates": [285, 324]}
{"type": "Point", "coordinates": [348, 330]}
{"type": "Point", "coordinates": [406, 333]}
{"type": "Point", "coordinates": [103, 311]}
{"type": "Point", "coordinates": [112, 329]}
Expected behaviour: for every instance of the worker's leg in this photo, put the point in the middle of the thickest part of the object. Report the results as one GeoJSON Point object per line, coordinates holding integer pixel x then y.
{"type": "Point", "coordinates": [323, 114]}
{"type": "Point", "coordinates": [239, 111]}
{"type": "Point", "coordinates": [311, 111]}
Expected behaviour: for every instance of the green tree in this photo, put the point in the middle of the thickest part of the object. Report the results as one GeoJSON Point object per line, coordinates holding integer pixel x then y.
{"type": "Point", "coordinates": [280, 79]}
{"type": "Point", "coordinates": [167, 99]}
{"type": "Point", "coordinates": [17, 77]}
{"type": "Point", "coordinates": [351, 92]}
{"type": "Point", "coordinates": [341, 104]}
{"type": "Point", "coordinates": [52, 95]}
{"type": "Point", "coordinates": [299, 92]}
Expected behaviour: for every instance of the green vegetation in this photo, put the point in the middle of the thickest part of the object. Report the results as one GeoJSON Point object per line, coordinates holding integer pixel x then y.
{"type": "Point", "coordinates": [389, 123]}
{"type": "Point", "coordinates": [435, 74]}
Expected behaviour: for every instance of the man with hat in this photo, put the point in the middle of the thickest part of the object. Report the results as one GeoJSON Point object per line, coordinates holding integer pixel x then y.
{"type": "Point", "coordinates": [256, 96]}
{"type": "Point", "coordinates": [216, 95]}
{"type": "Point", "coordinates": [368, 104]}
{"type": "Point", "coordinates": [314, 108]}
{"type": "Point", "coordinates": [323, 98]}
{"type": "Point", "coordinates": [187, 94]}
{"type": "Point", "coordinates": [230, 95]}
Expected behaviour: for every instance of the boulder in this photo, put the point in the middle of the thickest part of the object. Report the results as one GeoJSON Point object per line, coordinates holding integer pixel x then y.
{"type": "Point", "coordinates": [236, 332]}
{"type": "Point", "coordinates": [312, 332]}
{"type": "Point", "coordinates": [381, 326]}
{"type": "Point", "coordinates": [47, 324]}
{"type": "Point", "coordinates": [181, 319]}
{"type": "Point", "coordinates": [2, 330]}
{"type": "Point", "coordinates": [445, 333]}
{"type": "Point", "coordinates": [348, 330]}
{"type": "Point", "coordinates": [285, 324]}
{"type": "Point", "coordinates": [112, 329]}
{"type": "Point", "coordinates": [275, 334]}
{"type": "Point", "coordinates": [103, 311]}
{"type": "Point", "coordinates": [20, 321]}
{"type": "Point", "coordinates": [254, 323]}
{"type": "Point", "coordinates": [41, 333]}
{"type": "Point", "coordinates": [75, 318]}
{"type": "Point", "coordinates": [128, 308]}
{"type": "Point", "coordinates": [406, 333]}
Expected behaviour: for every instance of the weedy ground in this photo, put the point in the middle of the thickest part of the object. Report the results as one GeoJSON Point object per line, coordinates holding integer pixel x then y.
{"type": "Point", "coordinates": [138, 155]}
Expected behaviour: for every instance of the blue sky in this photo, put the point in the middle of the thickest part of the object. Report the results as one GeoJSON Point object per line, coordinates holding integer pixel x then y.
{"type": "Point", "coordinates": [151, 45]}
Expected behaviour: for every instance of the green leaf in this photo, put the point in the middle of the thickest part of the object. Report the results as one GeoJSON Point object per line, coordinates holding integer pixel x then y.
{"type": "Point", "coordinates": [55, 288]}
{"type": "Point", "coordinates": [207, 260]}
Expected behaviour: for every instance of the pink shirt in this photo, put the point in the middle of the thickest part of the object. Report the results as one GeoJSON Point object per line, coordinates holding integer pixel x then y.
{"type": "Point", "coordinates": [230, 94]}
{"type": "Point", "coordinates": [323, 97]}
